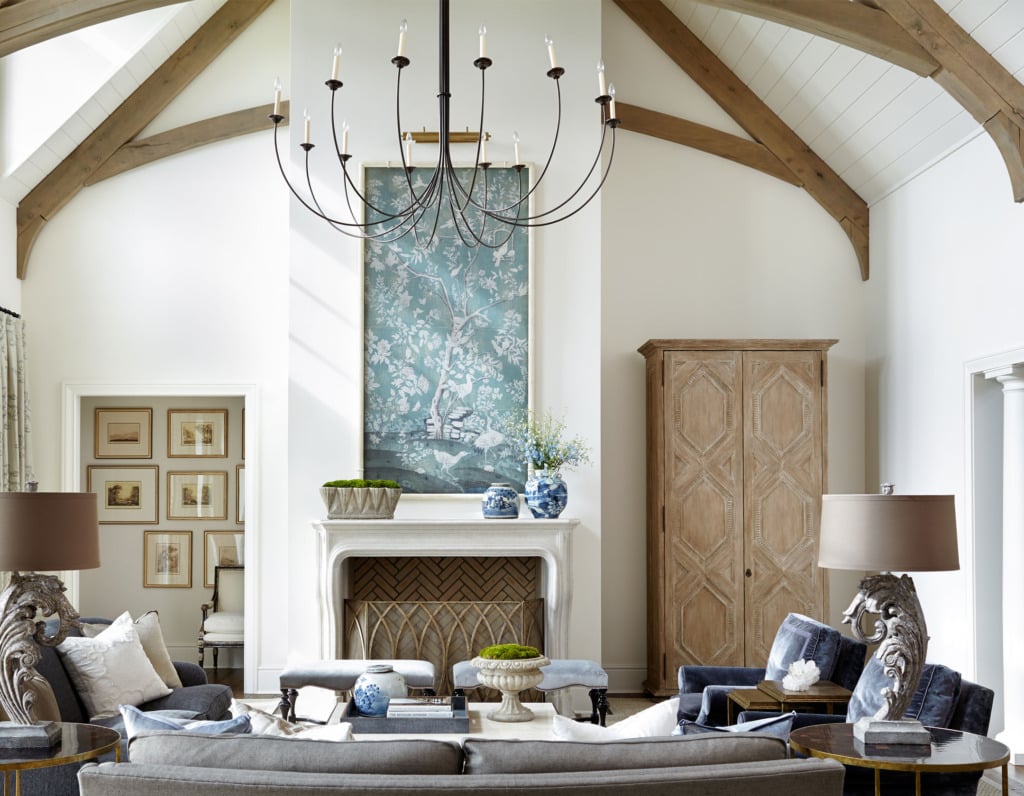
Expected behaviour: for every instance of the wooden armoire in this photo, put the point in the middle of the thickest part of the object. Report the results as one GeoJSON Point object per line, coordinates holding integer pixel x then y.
{"type": "Point", "coordinates": [736, 465]}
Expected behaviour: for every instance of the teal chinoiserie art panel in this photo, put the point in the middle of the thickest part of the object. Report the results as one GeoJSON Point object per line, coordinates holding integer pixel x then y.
{"type": "Point", "coordinates": [446, 342]}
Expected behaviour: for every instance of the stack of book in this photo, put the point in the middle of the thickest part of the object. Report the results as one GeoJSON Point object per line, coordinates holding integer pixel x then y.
{"type": "Point", "coordinates": [426, 708]}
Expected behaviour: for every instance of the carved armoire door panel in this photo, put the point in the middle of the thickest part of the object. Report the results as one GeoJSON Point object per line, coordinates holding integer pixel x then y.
{"type": "Point", "coordinates": [783, 472]}
{"type": "Point", "coordinates": [703, 507]}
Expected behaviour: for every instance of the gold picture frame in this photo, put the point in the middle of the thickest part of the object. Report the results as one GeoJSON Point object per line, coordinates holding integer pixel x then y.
{"type": "Point", "coordinates": [197, 433]}
{"type": "Point", "coordinates": [240, 494]}
{"type": "Point", "coordinates": [222, 548]}
{"type": "Point", "coordinates": [197, 495]}
{"type": "Point", "coordinates": [123, 433]}
{"type": "Point", "coordinates": [167, 560]}
{"type": "Point", "coordinates": [125, 495]}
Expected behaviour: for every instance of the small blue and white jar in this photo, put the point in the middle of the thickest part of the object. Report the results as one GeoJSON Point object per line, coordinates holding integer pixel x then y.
{"type": "Point", "coordinates": [546, 494]}
{"type": "Point", "coordinates": [500, 502]}
{"type": "Point", "coordinates": [375, 688]}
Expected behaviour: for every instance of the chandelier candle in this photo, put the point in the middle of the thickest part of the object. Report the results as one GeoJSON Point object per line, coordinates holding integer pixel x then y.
{"type": "Point", "coordinates": [337, 63]}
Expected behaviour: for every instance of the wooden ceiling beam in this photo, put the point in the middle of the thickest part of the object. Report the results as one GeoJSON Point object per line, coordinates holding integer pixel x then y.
{"type": "Point", "coordinates": [707, 139]}
{"type": "Point", "coordinates": [971, 76]}
{"type": "Point", "coordinates": [861, 27]}
{"type": "Point", "coordinates": [27, 22]}
{"type": "Point", "coordinates": [756, 118]}
{"type": "Point", "coordinates": [129, 118]}
{"type": "Point", "coordinates": [141, 151]}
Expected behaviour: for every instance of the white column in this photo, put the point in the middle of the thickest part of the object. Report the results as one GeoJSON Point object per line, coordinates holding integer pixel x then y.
{"type": "Point", "coordinates": [1012, 379]}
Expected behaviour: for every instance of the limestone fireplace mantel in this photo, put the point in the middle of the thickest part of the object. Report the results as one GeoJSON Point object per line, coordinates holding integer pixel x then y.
{"type": "Point", "coordinates": [549, 540]}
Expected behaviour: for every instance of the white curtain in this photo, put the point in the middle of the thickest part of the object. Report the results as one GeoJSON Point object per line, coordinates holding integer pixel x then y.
{"type": "Point", "coordinates": [16, 423]}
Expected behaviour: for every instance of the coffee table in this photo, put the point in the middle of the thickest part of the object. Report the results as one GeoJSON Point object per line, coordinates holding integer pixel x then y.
{"type": "Point", "coordinates": [78, 742]}
{"type": "Point", "coordinates": [951, 751]}
{"type": "Point", "coordinates": [540, 729]}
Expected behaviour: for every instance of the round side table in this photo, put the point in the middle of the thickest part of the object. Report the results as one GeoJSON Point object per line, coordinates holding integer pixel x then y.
{"type": "Point", "coordinates": [951, 751]}
{"type": "Point", "coordinates": [78, 742]}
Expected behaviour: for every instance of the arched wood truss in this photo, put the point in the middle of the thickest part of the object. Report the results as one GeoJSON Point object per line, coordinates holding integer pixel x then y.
{"type": "Point", "coordinates": [914, 34]}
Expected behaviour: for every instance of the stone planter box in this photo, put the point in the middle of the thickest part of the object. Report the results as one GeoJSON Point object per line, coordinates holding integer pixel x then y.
{"type": "Point", "coordinates": [363, 503]}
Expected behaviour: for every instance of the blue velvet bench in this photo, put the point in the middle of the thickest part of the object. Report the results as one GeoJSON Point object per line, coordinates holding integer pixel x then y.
{"type": "Point", "coordinates": [341, 675]}
{"type": "Point", "coordinates": [560, 673]}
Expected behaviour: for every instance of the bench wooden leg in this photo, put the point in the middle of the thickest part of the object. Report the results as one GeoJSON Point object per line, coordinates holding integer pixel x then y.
{"type": "Point", "coordinates": [287, 704]}
{"type": "Point", "coordinates": [599, 706]}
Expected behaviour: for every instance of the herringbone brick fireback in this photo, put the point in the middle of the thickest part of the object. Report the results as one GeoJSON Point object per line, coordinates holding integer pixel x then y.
{"type": "Point", "coordinates": [445, 578]}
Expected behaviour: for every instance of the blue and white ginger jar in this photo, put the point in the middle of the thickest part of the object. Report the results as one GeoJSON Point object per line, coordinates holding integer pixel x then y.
{"type": "Point", "coordinates": [375, 687]}
{"type": "Point", "coordinates": [500, 502]}
{"type": "Point", "coordinates": [546, 494]}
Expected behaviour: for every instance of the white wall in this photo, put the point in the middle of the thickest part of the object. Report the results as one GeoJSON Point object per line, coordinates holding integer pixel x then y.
{"type": "Point", "coordinates": [174, 274]}
{"type": "Point", "coordinates": [177, 272]}
{"type": "Point", "coordinates": [10, 285]}
{"type": "Point", "coordinates": [697, 246]}
{"type": "Point", "coordinates": [326, 291]}
{"type": "Point", "coordinates": [945, 287]}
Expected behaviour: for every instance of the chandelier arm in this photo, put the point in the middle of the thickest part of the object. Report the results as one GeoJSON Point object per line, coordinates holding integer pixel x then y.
{"type": "Point", "coordinates": [532, 221]}
{"type": "Point", "coordinates": [468, 194]}
{"type": "Point", "coordinates": [481, 237]}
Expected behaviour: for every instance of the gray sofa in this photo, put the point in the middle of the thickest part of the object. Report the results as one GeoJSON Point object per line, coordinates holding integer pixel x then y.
{"type": "Point", "coordinates": [723, 764]}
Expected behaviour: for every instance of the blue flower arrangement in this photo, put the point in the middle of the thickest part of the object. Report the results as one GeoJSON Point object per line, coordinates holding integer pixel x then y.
{"type": "Point", "coordinates": [541, 442]}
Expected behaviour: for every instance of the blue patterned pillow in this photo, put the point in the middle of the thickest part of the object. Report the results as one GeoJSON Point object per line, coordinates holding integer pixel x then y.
{"type": "Point", "coordinates": [136, 721]}
{"type": "Point", "coordinates": [801, 638]}
{"type": "Point", "coordinates": [779, 726]}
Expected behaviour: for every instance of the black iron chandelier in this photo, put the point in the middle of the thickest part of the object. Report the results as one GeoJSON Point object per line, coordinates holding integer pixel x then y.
{"type": "Point", "coordinates": [466, 199]}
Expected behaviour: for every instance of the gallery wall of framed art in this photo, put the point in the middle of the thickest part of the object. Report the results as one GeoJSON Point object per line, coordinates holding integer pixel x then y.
{"type": "Point", "coordinates": [168, 473]}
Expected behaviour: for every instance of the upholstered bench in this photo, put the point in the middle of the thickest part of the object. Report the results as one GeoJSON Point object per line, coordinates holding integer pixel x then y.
{"type": "Point", "coordinates": [341, 675]}
{"type": "Point", "coordinates": [560, 673]}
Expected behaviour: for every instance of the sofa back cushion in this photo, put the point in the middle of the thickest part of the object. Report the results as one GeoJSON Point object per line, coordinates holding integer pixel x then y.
{"type": "Point", "coordinates": [492, 756]}
{"type": "Point", "coordinates": [269, 753]}
{"type": "Point", "coordinates": [800, 638]}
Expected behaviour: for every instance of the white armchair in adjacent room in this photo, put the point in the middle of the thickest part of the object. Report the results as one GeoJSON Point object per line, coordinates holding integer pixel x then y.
{"type": "Point", "coordinates": [224, 616]}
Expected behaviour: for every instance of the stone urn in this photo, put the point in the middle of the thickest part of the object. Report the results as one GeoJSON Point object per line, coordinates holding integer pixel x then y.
{"type": "Point", "coordinates": [510, 677]}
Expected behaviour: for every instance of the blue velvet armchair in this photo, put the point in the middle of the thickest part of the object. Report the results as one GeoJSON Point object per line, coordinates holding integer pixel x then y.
{"type": "Point", "coordinates": [704, 690]}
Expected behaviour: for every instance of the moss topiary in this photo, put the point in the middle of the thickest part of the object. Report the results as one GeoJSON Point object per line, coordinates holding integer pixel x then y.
{"type": "Point", "coordinates": [362, 483]}
{"type": "Point", "coordinates": [507, 652]}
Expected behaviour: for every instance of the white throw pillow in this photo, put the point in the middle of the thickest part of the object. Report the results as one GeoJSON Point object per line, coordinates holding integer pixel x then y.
{"type": "Point", "coordinates": [264, 723]}
{"type": "Point", "coordinates": [152, 638]}
{"type": "Point", "coordinates": [659, 719]}
{"type": "Point", "coordinates": [111, 669]}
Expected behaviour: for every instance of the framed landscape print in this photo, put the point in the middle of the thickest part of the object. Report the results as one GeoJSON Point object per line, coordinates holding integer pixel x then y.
{"type": "Point", "coordinates": [222, 548]}
{"type": "Point", "coordinates": [197, 495]}
{"type": "Point", "coordinates": [123, 434]}
{"type": "Point", "coordinates": [240, 494]}
{"type": "Point", "coordinates": [193, 433]}
{"type": "Point", "coordinates": [125, 495]}
{"type": "Point", "coordinates": [167, 560]}
{"type": "Point", "coordinates": [446, 342]}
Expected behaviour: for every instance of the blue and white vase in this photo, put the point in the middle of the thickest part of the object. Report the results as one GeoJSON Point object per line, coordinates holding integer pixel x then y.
{"type": "Point", "coordinates": [500, 502]}
{"type": "Point", "coordinates": [546, 494]}
{"type": "Point", "coordinates": [375, 688]}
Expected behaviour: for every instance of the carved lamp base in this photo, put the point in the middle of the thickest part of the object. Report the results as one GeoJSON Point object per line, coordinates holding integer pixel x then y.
{"type": "Point", "coordinates": [42, 735]}
{"type": "Point", "coordinates": [884, 731]}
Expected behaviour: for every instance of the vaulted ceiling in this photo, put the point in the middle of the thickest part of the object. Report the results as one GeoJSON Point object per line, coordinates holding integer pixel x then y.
{"type": "Point", "coordinates": [847, 99]}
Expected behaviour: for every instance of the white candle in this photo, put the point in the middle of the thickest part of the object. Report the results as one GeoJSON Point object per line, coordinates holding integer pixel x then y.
{"type": "Point", "coordinates": [602, 85]}
{"type": "Point", "coordinates": [611, 106]}
{"type": "Point", "coordinates": [401, 37]}
{"type": "Point", "coordinates": [305, 125]}
{"type": "Point", "coordinates": [551, 51]}
{"type": "Point", "coordinates": [344, 138]}
{"type": "Point", "coordinates": [408, 149]}
{"type": "Point", "coordinates": [483, 41]}
{"type": "Point", "coordinates": [515, 147]}
{"type": "Point", "coordinates": [483, 149]}
{"type": "Point", "coordinates": [277, 97]}
{"type": "Point", "coordinates": [337, 62]}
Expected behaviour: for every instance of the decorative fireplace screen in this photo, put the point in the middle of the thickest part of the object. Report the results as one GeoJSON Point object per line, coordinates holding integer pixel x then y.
{"type": "Point", "coordinates": [442, 609]}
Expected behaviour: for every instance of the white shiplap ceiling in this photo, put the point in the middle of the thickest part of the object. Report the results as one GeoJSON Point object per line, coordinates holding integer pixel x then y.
{"type": "Point", "coordinates": [874, 123]}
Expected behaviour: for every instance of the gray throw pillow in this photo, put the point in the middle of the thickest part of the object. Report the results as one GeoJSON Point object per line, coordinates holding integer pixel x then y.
{"type": "Point", "coordinates": [778, 726]}
{"type": "Point", "coordinates": [932, 704]}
